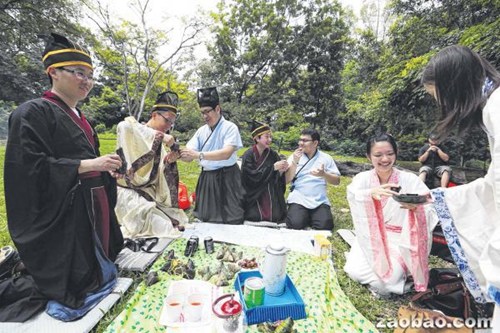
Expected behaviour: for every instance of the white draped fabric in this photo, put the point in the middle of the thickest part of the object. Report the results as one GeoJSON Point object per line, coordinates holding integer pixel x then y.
{"type": "Point", "coordinates": [391, 242]}
{"type": "Point", "coordinates": [473, 214]}
{"type": "Point", "coordinates": [142, 146]}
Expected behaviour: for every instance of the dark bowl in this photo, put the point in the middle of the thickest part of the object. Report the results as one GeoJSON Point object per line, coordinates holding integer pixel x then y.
{"type": "Point", "coordinates": [410, 198]}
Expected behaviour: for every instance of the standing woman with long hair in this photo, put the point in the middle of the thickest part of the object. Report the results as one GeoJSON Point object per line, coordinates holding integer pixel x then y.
{"type": "Point", "coordinates": [466, 88]}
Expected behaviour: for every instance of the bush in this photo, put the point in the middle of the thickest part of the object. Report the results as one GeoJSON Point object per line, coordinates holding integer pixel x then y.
{"type": "Point", "coordinates": [100, 128]}
{"type": "Point", "coordinates": [287, 139]}
{"type": "Point", "coordinates": [409, 146]}
{"type": "Point", "coordinates": [477, 164]}
{"type": "Point", "coordinates": [5, 109]}
{"type": "Point", "coordinates": [113, 129]}
{"type": "Point", "coordinates": [108, 135]}
{"type": "Point", "coordinates": [246, 137]}
{"type": "Point", "coordinates": [345, 147]}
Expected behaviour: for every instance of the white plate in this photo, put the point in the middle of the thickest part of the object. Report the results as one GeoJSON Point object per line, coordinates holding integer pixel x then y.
{"type": "Point", "coordinates": [247, 269]}
{"type": "Point", "coordinates": [186, 288]}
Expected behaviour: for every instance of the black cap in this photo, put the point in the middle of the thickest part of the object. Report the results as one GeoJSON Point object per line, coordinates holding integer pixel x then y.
{"type": "Point", "coordinates": [166, 101]}
{"type": "Point", "coordinates": [60, 51]}
{"type": "Point", "coordinates": [208, 97]}
{"type": "Point", "coordinates": [259, 128]}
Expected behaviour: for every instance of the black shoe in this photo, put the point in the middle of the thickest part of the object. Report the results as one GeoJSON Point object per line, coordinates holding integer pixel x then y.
{"type": "Point", "coordinates": [9, 258]}
{"type": "Point", "coordinates": [138, 244]}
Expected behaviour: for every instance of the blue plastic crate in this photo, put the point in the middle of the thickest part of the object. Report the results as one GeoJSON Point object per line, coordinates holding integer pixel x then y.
{"type": "Point", "coordinates": [290, 304]}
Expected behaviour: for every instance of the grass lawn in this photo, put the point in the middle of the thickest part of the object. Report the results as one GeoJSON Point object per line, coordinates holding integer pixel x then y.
{"type": "Point", "coordinates": [372, 308]}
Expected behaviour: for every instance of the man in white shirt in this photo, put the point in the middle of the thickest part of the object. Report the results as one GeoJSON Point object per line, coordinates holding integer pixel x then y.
{"type": "Point", "coordinates": [219, 193]}
{"type": "Point", "coordinates": [309, 173]}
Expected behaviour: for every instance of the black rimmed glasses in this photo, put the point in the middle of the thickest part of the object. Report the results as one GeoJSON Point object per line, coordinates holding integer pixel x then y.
{"type": "Point", "coordinates": [166, 119]}
{"type": "Point", "coordinates": [79, 74]}
{"type": "Point", "coordinates": [305, 140]}
{"type": "Point", "coordinates": [205, 112]}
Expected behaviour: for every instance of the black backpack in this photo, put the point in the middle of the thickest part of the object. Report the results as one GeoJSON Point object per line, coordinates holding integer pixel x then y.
{"type": "Point", "coordinates": [447, 293]}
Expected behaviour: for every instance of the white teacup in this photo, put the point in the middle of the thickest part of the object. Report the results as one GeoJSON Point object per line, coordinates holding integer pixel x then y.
{"type": "Point", "coordinates": [173, 307]}
{"type": "Point", "coordinates": [193, 308]}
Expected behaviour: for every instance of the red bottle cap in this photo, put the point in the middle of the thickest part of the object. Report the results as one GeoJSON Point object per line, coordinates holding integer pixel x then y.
{"type": "Point", "coordinates": [231, 307]}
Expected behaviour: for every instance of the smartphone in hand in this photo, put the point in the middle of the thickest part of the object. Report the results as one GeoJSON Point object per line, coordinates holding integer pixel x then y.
{"type": "Point", "coordinates": [175, 147]}
{"type": "Point", "coordinates": [396, 189]}
{"type": "Point", "coordinates": [123, 169]}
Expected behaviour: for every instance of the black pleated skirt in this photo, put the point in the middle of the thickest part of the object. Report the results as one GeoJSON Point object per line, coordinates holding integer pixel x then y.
{"type": "Point", "coordinates": [219, 196]}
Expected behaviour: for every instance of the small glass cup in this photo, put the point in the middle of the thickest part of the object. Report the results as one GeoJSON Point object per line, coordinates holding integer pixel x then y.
{"type": "Point", "coordinates": [193, 308]}
{"type": "Point", "coordinates": [173, 307]}
{"type": "Point", "coordinates": [229, 311]}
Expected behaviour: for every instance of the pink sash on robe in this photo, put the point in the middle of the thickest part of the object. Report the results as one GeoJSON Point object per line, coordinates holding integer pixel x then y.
{"type": "Point", "coordinates": [417, 227]}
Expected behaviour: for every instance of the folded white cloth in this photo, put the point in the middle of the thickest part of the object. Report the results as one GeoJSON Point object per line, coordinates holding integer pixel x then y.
{"type": "Point", "coordinates": [43, 323]}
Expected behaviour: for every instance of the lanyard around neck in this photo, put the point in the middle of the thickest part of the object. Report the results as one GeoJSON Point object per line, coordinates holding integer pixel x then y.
{"type": "Point", "coordinates": [309, 160]}
{"type": "Point", "coordinates": [215, 127]}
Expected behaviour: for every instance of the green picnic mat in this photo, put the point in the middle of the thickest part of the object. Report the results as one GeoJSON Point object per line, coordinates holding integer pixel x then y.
{"type": "Point", "coordinates": [327, 307]}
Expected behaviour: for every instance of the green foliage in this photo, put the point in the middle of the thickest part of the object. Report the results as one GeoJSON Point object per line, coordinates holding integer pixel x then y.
{"type": "Point", "coordinates": [381, 79]}
{"type": "Point", "coordinates": [348, 147]}
{"type": "Point", "coordinates": [409, 146]}
{"type": "Point", "coordinates": [372, 308]}
{"type": "Point", "coordinates": [280, 55]}
{"type": "Point", "coordinates": [183, 137]}
{"type": "Point", "coordinates": [108, 135]}
{"type": "Point", "coordinates": [103, 106]}
{"type": "Point", "coordinates": [107, 144]}
{"type": "Point", "coordinates": [112, 130]}
{"type": "Point", "coordinates": [4, 232]}
{"type": "Point", "coordinates": [484, 39]}
{"type": "Point", "coordinates": [100, 128]}
{"type": "Point", "coordinates": [285, 117]}
{"type": "Point", "coordinates": [5, 110]}
{"type": "Point", "coordinates": [135, 68]}
{"type": "Point", "coordinates": [290, 63]}
{"type": "Point", "coordinates": [288, 138]}
{"type": "Point", "coordinates": [362, 96]}
{"type": "Point", "coordinates": [189, 117]}
{"type": "Point", "coordinates": [477, 164]}
{"type": "Point", "coordinates": [21, 72]}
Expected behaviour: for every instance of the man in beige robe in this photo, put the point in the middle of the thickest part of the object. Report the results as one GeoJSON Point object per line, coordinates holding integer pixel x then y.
{"type": "Point", "coordinates": [147, 194]}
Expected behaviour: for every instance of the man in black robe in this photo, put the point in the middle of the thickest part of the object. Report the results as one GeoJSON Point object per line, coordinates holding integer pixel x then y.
{"type": "Point", "coordinates": [59, 196]}
{"type": "Point", "coordinates": [263, 178]}
{"type": "Point", "coordinates": [219, 194]}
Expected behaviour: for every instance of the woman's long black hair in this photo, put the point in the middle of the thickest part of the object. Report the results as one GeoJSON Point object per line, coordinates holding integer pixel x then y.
{"type": "Point", "coordinates": [459, 75]}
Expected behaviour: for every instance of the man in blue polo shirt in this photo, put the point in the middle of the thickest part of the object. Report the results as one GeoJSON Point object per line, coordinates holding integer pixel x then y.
{"type": "Point", "coordinates": [219, 193]}
{"type": "Point", "coordinates": [309, 173]}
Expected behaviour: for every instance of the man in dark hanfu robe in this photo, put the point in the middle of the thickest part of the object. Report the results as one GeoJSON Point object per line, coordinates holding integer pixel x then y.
{"type": "Point", "coordinates": [219, 194]}
{"type": "Point", "coordinates": [59, 197]}
{"type": "Point", "coordinates": [263, 178]}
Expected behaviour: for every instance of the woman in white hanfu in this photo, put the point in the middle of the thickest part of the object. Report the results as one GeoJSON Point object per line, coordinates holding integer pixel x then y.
{"type": "Point", "coordinates": [466, 88]}
{"type": "Point", "coordinates": [393, 240]}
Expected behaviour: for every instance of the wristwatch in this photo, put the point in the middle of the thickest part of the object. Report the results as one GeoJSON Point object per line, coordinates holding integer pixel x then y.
{"type": "Point", "coordinates": [201, 156]}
